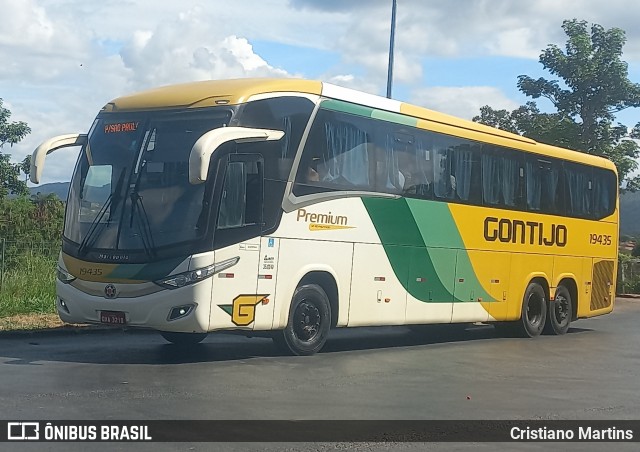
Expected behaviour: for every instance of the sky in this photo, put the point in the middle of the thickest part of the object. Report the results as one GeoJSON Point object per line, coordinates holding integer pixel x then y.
{"type": "Point", "coordinates": [62, 60]}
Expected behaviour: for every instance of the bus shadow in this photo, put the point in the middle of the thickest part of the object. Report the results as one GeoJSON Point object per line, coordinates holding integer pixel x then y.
{"type": "Point", "coordinates": [133, 347]}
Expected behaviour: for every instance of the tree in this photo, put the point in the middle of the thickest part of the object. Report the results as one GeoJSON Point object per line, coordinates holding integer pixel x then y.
{"type": "Point", "coordinates": [594, 87]}
{"type": "Point", "coordinates": [11, 133]}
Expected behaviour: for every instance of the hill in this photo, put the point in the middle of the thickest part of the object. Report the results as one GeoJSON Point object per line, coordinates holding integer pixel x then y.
{"type": "Point", "coordinates": [630, 214]}
{"type": "Point", "coordinates": [60, 189]}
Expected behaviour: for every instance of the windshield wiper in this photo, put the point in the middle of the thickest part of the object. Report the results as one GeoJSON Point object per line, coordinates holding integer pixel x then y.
{"type": "Point", "coordinates": [92, 236]}
{"type": "Point", "coordinates": [142, 220]}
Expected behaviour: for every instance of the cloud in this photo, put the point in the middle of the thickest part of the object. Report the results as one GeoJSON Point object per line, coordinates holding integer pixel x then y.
{"type": "Point", "coordinates": [178, 50]}
{"type": "Point", "coordinates": [353, 82]}
{"type": "Point", "coordinates": [464, 102]}
{"type": "Point", "coordinates": [186, 49]}
{"type": "Point", "coordinates": [31, 40]}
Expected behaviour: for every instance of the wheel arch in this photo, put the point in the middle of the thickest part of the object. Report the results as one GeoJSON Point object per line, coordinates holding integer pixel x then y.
{"type": "Point", "coordinates": [328, 283]}
{"type": "Point", "coordinates": [570, 283]}
{"type": "Point", "coordinates": [540, 279]}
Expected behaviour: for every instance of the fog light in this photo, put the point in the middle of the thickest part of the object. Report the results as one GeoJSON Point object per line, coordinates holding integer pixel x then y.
{"type": "Point", "coordinates": [178, 312]}
{"type": "Point", "coordinates": [63, 305]}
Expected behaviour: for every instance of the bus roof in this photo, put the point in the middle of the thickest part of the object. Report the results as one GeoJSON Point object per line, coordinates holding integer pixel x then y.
{"type": "Point", "coordinates": [236, 91]}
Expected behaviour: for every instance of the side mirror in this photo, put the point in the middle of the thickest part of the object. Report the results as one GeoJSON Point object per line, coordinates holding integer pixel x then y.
{"type": "Point", "coordinates": [207, 144]}
{"type": "Point", "coordinates": [46, 148]}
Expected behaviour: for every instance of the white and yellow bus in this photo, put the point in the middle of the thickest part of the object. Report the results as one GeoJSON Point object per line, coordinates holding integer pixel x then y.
{"type": "Point", "coordinates": [297, 206]}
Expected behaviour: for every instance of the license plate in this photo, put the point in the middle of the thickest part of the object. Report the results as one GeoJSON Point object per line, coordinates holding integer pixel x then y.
{"type": "Point", "coordinates": [113, 317]}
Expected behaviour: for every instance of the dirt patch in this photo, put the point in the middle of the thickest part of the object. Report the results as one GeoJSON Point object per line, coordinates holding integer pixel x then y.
{"type": "Point", "coordinates": [29, 322]}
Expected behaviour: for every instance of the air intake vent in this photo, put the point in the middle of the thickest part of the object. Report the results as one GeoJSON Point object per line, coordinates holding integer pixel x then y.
{"type": "Point", "coordinates": [602, 282]}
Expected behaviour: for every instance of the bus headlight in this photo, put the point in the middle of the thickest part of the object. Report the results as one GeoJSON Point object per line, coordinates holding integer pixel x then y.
{"type": "Point", "coordinates": [65, 276]}
{"type": "Point", "coordinates": [194, 276]}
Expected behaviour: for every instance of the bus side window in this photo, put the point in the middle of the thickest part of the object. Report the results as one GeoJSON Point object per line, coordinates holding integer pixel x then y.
{"type": "Point", "coordinates": [502, 175]}
{"type": "Point", "coordinates": [232, 202]}
{"type": "Point", "coordinates": [604, 193]}
{"type": "Point", "coordinates": [465, 169]}
{"type": "Point", "coordinates": [578, 190]}
{"type": "Point", "coordinates": [335, 156]}
{"type": "Point", "coordinates": [242, 195]}
{"type": "Point", "coordinates": [421, 181]}
{"type": "Point", "coordinates": [443, 179]}
{"type": "Point", "coordinates": [289, 114]}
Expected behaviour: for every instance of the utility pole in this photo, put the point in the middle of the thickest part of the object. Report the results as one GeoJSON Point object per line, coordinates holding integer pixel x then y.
{"type": "Point", "coordinates": [391, 42]}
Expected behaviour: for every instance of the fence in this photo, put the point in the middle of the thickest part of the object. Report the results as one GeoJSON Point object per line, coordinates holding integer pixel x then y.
{"type": "Point", "coordinates": [628, 275]}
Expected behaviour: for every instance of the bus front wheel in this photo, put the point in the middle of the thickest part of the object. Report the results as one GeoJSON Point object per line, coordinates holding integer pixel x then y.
{"type": "Point", "coordinates": [534, 310]}
{"type": "Point", "coordinates": [183, 338]}
{"type": "Point", "coordinates": [309, 321]}
{"type": "Point", "coordinates": [559, 312]}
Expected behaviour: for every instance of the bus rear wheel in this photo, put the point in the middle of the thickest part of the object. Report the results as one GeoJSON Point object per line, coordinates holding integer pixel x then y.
{"type": "Point", "coordinates": [183, 338]}
{"type": "Point", "coordinates": [534, 311]}
{"type": "Point", "coordinates": [559, 312]}
{"type": "Point", "coordinates": [309, 322]}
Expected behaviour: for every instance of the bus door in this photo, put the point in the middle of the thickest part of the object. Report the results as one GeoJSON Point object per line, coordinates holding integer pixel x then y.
{"type": "Point", "coordinates": [237, 240]}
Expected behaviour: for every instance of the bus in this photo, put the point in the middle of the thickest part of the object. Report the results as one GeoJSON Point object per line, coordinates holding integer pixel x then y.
{"type": "Point", "coordinates": [293, 207]}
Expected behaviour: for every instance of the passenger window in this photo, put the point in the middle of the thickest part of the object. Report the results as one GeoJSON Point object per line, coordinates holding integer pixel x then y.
{"type": "Point", "coordinates": [501, 177]}
{"type": "Point", "coordinates": [288, 114]}
{"type": "Point", "coordinates": [242, 194]}
{"type": "Point", "coordinates": [465, 170]}
{"type": "Point", "coordinates": [443, 183]}
{"type": "Point", "coordinates": [233, 199]}
{"type": "Point", "coordinates": [604, 193]}
{"type": "Point", "coordinates": [456, 166]}
{"type": "Point", "coordinates": [391, 152]}
{"type": "Point", "coordinates": [579, 189]}
{"type": "Point", "coordinates": [543, 186]}
{"type": "Point", "coordinates": [420, 183]}
{"type": "Point", "coordinates": [336, 155]}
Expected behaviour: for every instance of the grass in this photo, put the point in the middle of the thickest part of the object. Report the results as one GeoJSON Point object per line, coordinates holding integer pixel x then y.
{"type": "Point", "coordinates": [29, 322]}
{"type": "Point", "coordinates": [27, 296]}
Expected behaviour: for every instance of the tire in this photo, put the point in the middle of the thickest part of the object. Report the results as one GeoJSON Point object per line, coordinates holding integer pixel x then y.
{"type": "Point", "coordinates": [309, 322]}
{"type": "Point", "coordinates": [534, 311]}
{"type": "Point", "coordinates": [559, 312]}
{"type": "Point", "coordinates": [183, 338]}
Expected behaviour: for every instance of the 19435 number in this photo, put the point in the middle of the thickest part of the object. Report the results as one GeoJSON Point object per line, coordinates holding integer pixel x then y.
{"type": "Point", "coordinates": [84, 271]}
{"type": "Point", "coordinates": [599, 239]}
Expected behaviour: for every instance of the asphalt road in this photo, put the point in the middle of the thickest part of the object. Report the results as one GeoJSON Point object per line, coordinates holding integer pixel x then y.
{"type": "Point", "coordinates": [371, 373]}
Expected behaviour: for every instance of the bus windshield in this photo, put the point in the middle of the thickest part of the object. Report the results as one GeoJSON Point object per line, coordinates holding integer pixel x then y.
{"type": "Point", "coordinates": [130, 190]}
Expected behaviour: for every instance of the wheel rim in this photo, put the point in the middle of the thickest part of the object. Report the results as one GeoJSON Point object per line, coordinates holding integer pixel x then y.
{"type": "Point", "coordinates": [561, 309]}
{"type": "Point", "coordinates": [534, 310]}
{"type": "Point", "coordinates": [306, 321]}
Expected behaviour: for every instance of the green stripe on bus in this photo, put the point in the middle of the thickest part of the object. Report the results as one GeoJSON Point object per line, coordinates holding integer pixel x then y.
{"type": "Point", "coordinates": [368, 112]}
{"type": "Point", "coordinates": [394, 222]}
{"type": "Point", "coordinates": [395, 117]}
{"type": "Point", "coordinates": [345, 107]}
{"type": "Point", "coordinates": [405, 248]}
{"type": "Point", "coordinates": [424, 248]}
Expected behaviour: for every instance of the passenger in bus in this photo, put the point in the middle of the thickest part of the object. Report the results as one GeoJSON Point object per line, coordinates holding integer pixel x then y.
{"type": "Point", "coordinates": [312, 175]}
{"type": "Point", "coordinates": [419, 180]}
